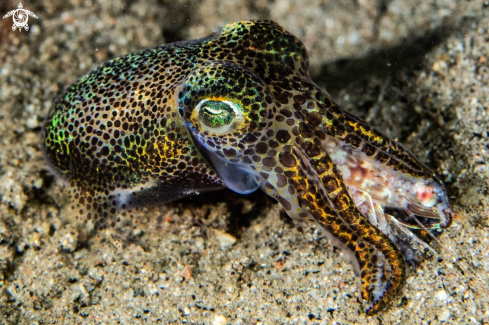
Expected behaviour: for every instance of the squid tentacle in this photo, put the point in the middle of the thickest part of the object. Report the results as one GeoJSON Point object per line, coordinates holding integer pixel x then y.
{"type": "Point", "coordinates": [321, 191]}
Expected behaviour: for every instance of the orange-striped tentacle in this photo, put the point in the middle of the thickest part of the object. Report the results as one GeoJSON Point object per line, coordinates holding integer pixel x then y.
{"type": "Point", "coordinates": [320, 190]}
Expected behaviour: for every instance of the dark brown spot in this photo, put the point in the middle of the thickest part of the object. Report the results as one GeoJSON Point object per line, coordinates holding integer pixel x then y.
{"type": "Point", "coordinates": [269, 162]}
{"type": "Point", "coordinates": [353, 140]}
{"type": "Point", "coordinates": [291, 190]}
{"type": "Point", "coordinates": [381, 157]}
{"type": "Point", "coordinates": [261, 147]}
{"type": "Point", "coordinates": [289, 173]}
{"type": "Point", "coordinates": [283, 136]}
{"type": "Point", "coordinates": [286, 204]}
{"type": "Point", "coordinates": [321, 135]}
{"type": "Point", "coordinates": [250, 138]}
{"type": "Point", "coordinates": [329, 183]}
{"type": "Point", "coordinates": [281, 97]}
{"type": "Point", "coordinates": [272, 153]}
{"type": "Point", "coordinates": [249, 152]}
{"type": "Point", "coordinates": [281, 180]}
{"type": "Point", "coordinates": [304, 130]}
{"type": "Point", "coordinates": [368, 149]}
{"type": "Point", "coordinates": [285, 112]}
{"type": "Point", "coordinates": [287, 160]}
{"type": "Point", "coordinates": [314, 118]}
{"type": "Point", "coordinates": [299, 99]}
{"type": "Point", "coordinates": [273, 144]}
{"type": "Point", "coordinates": [229, 152]}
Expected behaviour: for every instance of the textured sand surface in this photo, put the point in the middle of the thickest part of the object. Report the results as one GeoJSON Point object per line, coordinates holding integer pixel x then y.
{"type": "Point", "coordinates": [417, 70]}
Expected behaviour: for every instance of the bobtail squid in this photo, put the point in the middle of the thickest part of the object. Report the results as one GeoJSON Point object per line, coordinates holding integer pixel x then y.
{"type": "Point", "coordinates": [238, 109]}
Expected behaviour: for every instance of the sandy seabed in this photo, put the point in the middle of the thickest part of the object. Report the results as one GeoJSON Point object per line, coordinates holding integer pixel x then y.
{"type": "Point", "coordinates": [416, 70]}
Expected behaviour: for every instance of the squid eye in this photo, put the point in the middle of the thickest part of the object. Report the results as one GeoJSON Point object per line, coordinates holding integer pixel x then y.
{"type": "Point", "coordinates": [218, 117]}
{"type": "Point", "coordinates": [215, 114]}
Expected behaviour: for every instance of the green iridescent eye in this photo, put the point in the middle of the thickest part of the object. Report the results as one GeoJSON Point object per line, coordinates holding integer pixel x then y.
{"type": "Point", "coordinates": [218, 116]}
{"type": "Point", "coordinates": [215, 114]}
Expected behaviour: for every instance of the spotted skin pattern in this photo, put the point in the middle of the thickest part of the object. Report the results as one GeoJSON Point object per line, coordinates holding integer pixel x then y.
{"type": "Point", "coordinates": [237, 109]}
